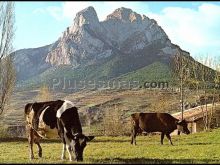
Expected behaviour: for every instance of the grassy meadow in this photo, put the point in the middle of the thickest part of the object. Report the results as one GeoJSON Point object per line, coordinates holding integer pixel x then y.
{"type": "Point", "coordinates": [201, 147]}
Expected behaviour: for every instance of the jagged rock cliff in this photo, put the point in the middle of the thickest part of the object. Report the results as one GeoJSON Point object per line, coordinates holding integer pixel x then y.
{"type": "Point", "coordinates": [122, 31]}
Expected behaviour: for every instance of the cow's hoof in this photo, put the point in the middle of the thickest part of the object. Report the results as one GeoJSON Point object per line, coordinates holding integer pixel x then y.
{"type": "Point", "coordinates": [63, 158]}
{"type": "Point", "coordinates": [79, 160]}
{"type": "Point", "coordinates": [40, 155]}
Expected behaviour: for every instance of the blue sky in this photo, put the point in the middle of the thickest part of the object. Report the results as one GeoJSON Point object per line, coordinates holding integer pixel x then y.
{"type": "Point", "coordinates": [194, 26]}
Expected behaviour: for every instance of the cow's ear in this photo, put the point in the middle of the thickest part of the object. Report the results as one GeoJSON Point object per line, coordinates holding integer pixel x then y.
{"type": "Point", "coordinates": [185, 121]}
{"type": "Point", "coordinates": [178, 122]}
{"type": "Point", "coordinates": [188, 121]}
{"type": "Point", "coordinates": [89, 138]}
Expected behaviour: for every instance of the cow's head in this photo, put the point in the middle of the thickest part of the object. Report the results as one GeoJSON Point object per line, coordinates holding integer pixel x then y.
{"type": "Point", "coordinates": [182, 127]}
{"type": "Point", "coordinates": [79, 145]}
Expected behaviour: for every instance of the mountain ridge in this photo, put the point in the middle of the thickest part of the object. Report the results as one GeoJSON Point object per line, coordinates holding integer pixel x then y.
{"type": "Point", "coordinates": [124, 42]}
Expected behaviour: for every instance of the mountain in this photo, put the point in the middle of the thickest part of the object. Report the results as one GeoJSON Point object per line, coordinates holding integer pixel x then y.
{"type": "Point", "coordinates": [98, 50]}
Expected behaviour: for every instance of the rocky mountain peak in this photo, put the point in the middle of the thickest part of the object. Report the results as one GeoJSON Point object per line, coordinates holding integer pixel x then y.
{"type": "Point", "coordinates": [125, 15]}
{"type": "Point", "coordinates": [86, 16]}
{"type": "Point", "coordinates": [124, 30]}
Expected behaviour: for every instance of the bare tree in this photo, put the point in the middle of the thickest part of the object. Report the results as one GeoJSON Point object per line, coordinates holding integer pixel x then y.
{"type": "Point", "coordinates": [113, 124]}
{"type": "Point", "coordinates": [209, 81]}
{"type": "Point", "coordinates": [201, 77]}
{"type": "Point", "coordinates": [215, 95]}
{"type": "Point", "coordinates": [180, 66]}
{"type": "Point", "coordinates": [7, 71]}
{"type": "Point", "coordinates": [204, 74]}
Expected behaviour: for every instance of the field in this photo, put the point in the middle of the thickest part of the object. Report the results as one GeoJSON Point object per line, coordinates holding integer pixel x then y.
{"type": "Point", "coordinates": [126, 101]}
{"type": "Point", "coordinates": [195, 148]}
{"type": "Point", "coordinates": [201, 147]}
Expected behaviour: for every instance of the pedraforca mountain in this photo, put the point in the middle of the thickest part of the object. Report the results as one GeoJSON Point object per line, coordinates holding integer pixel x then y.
{"type": "Point", "coordinates": [124, 33]}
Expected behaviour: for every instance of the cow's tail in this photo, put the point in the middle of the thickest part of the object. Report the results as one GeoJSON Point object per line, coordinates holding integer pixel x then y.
{"type": "Point", "coordinates": [27, 115]}
{"type": "Point", "coordinates": [135, 122]}
{"type": "Point", "coordinates": [134, 119]}
{"type": "Point", "coordinates": [27, 108]}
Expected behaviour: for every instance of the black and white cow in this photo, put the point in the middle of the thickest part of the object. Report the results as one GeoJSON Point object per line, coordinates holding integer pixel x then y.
{"type": "Point", "coordinates": [56, 119]}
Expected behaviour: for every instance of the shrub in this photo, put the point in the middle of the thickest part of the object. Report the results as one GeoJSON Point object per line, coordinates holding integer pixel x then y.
{"type": "Point", "coordinates": [113, 124]}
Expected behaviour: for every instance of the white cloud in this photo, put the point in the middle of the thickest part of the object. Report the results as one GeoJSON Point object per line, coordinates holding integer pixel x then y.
{"type": "Point", "coordinates": [39, 11]}
{"type": "Point", "coordinates": [196, 31]}
{"type": "Point", "coordinates": [56, 12]}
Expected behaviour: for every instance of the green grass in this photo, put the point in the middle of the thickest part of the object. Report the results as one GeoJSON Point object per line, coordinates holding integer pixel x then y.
{"type": "Point", "coordinates": [151, 73]}
{"type": "Point", "coordinates": [194, 148]}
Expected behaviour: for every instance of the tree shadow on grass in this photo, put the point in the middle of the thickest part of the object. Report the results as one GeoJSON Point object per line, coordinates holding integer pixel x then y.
{"type": "Point", "coordinates": [154, 161]}
{"type": "Point", "coordinates": [200, 143]}
{"type": "Point", "coordinates": [13, 139]}
{"type": "Point", "coordinates": [197, 143]}
{"type": "Point", "coordinates": [22, 139]}
{"type": "Point", "coordinates": [111, 141]}
{"type": "Point", "coordinates": [16, 139]}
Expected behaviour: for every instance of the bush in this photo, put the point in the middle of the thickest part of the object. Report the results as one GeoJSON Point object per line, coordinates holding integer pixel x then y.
{"type": "Point", "coordinates": [113, 124]}
{"type": "Point", "coordinates": [3, 132]}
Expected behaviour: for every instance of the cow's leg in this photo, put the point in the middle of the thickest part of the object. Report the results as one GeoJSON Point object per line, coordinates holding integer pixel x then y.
{"type": "Point", "coordinates": [61, 135]}
{"type": "Point", "coordinates": [31, 141]}
{"type": "Point", "coordinates": [39, 149]}
{"type": "Point", "coordinates": [63, 156]}
{"type": "Point", "coordinates": [69, 149]}
{"type": "Point", "coordinates": [133, 135]}
{"type": "Point", "coordinates": [168, 136]}
{"type": "Point", "coordinates": [68, 145]}
{"type": "Point", "coordinates": [37, 142]}
{"type": "Point", "coordinates": [162, 137]}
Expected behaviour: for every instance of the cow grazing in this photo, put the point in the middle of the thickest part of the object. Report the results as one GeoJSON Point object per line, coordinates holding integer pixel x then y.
{"type": "Point", "coordinates": [156, 122]}
{"type": "Point", "coordinates": [56, 119]}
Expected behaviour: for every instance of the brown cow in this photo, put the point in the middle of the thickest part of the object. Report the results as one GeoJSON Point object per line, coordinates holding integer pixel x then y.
{"type": "Point", "coordinates": [156, 122]}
